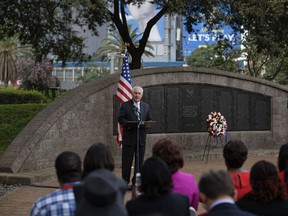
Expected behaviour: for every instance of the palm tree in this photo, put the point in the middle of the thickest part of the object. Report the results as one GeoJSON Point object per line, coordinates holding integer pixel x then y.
{"type": "Point", "coordinates": [114, 45]}
{"type": "Point", "coordinates": [10, 50]}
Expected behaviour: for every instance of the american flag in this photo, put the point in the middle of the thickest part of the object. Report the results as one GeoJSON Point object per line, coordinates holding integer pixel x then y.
{"type": "Point", "coordinates": [124, 91]}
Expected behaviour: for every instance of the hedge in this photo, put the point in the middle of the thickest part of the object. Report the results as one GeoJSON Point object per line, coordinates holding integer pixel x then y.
{"type": "Point", "coordinates": [13, 118]}
{"type": "Point", "coordinates": [15, 96]}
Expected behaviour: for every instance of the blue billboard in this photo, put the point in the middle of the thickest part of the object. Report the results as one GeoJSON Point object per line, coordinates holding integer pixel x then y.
{"type": "Point", "coordinates": [204, 37]}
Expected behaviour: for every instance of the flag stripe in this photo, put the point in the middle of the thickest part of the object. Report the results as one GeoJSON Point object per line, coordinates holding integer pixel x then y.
{"type": "Point", "coordinates": [124, 92]}
{"type": "Point", "coordinates": [122, 96]}
{"type": "Point", "coordinates": [125, 86]}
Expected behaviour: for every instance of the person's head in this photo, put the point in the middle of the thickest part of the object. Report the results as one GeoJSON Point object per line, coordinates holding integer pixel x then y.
{"type": "Point", "coordinates": [283, 157]}
{"type": "Point", "coordinates": [235, 154]}
{"type": "Point", "coordinates": [214, 185]}
{"type": "Point", "coordinates": [100, 193]}
{"type": "Point", "coordinates": [137, 93]}
{"type": "Point", "coordinates": [68, 167]}
{"type": "Point", "coordinates": [155, 178]}
{"type": "Point", "coordinates": [265, 182]}
{"type": "Point", "coordinates": [98, 156]}
{"type": "Point", "coordinates": [169, 152]}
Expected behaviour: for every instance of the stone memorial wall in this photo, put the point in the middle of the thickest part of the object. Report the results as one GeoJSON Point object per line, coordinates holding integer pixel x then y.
{"type": "Point", "coordinates": [180, 98]}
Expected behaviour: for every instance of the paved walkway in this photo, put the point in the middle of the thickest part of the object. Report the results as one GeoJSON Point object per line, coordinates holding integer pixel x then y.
{"type": "Point", "coordinates": [19, 201]}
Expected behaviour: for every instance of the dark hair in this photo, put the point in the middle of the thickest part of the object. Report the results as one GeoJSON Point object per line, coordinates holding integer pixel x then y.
{"type": "Point", "coordinates": [68, 167]}
{"type": "Point", "coordinates": [283, 161]}
{"type": "Point", "coordinates": [216, 183]}
{"type": "Point", "coordinates": [235, 154]}
{"type": "Point", "coordinates": [156, 178]}
{"type": "Point", "coordinates": [265, 182]}
{"type": "Point", "coordinates": [98, 156]}
{"type": "Point", "coordinates": [170, 153]}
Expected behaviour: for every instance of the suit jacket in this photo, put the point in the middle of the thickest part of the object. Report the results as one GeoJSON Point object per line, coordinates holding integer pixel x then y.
{"type": "Point", "coordinates": [127, 113]}
{"type": "Point", "coordinates": [276, 207]}
{"type": "Point", "coordinates": [227, 209]}
{"type": "Point", "coordinates": [166, 205]}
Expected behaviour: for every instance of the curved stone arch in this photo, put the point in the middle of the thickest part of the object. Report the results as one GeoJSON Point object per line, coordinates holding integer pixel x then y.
{"type": "Point", "coordinates": [84, 116]}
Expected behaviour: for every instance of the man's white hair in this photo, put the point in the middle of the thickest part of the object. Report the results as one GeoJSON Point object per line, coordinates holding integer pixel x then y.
{"type": "Point", "coordinates": [137, 88]}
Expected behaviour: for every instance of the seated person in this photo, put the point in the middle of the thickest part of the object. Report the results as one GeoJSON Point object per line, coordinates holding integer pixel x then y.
{"type": "Point", "coordinates": [283, 165]}
{"type": "Point", "coordinates": [268, 195]}
{"type": "Point", "coordinates": [101, 193]}
{"type": "Point", "coordinates": [182, 183]}
{"type": "Point", "coordinates": [156, 197]}
{"type": "Point", "coordinates": [217, 193]}
{"type": "Point", "coordinates": [98, 156]}
{"type": "Point", "coordinates": [61, 202]}
{"type": "Point", "coordinates": [235, 154]}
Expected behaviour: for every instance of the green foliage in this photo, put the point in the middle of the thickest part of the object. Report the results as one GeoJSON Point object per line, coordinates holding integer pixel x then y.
{"type": "Point", "coordinates": [213, 56]}
{"type": "Point", "coordinates": [56, 32]}
{"type": "Point", "coordinates": [14, 96]}
{"type": "Point", "coordinates": [93, 72]}
{"type": "Point", "coordinates": [37, 76]}
{"type": "Point", "coordinates": [10, 50]}
{"type": "Point", "coordinates": [115, 44]}
{"type": "Point", "coordinates": [13, 118]}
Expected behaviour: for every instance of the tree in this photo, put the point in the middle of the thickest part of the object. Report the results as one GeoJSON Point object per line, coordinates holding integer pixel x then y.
{"type": "Point", "coordinates": [48, 25]}
{"type": "Point", "coordinates": [10, 50]}
{"type": "Point", "coordinates": [37, 76]}
{"type": "Point", "coordinates": [264, 25]}
{"type": "Point", "coordinates": [212, 56]}
{"type": "Point", "coordinates": [114, 44]}
{"type": "Point", "coordinates": [193, 11]}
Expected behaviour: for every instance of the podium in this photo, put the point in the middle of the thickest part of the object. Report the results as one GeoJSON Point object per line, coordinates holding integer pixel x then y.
{"type": "Point", "coordinates": [142, 124]}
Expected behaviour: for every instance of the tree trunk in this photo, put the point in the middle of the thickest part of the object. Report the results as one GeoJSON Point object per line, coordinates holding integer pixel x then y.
{"type": "Point", "coordinates": [136, 60]}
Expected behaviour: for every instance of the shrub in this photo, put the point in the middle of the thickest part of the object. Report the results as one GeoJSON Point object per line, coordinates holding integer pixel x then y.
{"type": "Point", "coordinates": [13, 118]}
{"type": "Point", "coordinates": [14, 96]}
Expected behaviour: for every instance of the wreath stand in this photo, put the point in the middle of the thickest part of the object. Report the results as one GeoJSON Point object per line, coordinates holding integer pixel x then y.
{"type": "Point", "coordinates": [211, 142]}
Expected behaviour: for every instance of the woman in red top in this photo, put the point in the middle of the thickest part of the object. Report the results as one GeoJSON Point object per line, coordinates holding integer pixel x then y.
{"type": "Point", "coordinates": [283, 164]}
{"type": "Point", "coordinates": [235, 154]}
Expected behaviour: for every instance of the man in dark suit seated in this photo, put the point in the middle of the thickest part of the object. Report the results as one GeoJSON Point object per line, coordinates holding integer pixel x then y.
{"type": "Point", "coordinates": [133, 110]}
{"type": "Point", "coordinates": [218, 194]}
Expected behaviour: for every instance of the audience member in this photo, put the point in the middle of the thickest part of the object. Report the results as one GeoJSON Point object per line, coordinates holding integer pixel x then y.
{"type": "Point", "coordinates": [217, 193]}
{"type": "Point", "coordinates": [98, 156]}
{"type": "Point", "coordinates": [283, 165]}
{"type": "Point", "coordinates": [235, 154]}
{"type": "Point", "coordinates": [183, 183]}
{"type": "Point", "coordinates": [268, 195]}
{"type": "Point", "coordinates": [156, 197]}
{"type": "Point", "coordinates": [61, 202]}
{"type": "Point", "coordinates": [101, 193]}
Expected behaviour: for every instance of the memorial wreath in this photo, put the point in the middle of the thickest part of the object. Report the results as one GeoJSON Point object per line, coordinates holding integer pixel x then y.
{"type": "Point", "coordinates": [216, 124]}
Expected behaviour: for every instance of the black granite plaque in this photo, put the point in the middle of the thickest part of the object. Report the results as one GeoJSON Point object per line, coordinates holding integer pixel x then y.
{"type": "Point", "coordinates": [172, 120]}
{"type": "Point", "coordinates": [206, 103]}
{"type": "Point", "coordinates": [225, 104]}
{"type": "Point", "coordinates": [243, 115]}
{"type": "Point", "coordinates": [189, 108]}
{"type": "Point", "coordinates": [185, 107]}
{"type": "Point", "coordinates": [260, 112]}
{"type": "Point", "coordinates": [154, 96]}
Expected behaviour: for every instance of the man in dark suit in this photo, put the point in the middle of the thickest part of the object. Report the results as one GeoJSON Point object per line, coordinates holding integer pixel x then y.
{"type": "Point", "coordinates": [133, 110]}
{"type": "Point", "coordinates": [218, 194]}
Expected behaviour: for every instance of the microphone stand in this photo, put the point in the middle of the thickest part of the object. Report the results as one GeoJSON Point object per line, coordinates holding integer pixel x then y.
{"type": "Point", "coordinates": [138, 175]}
